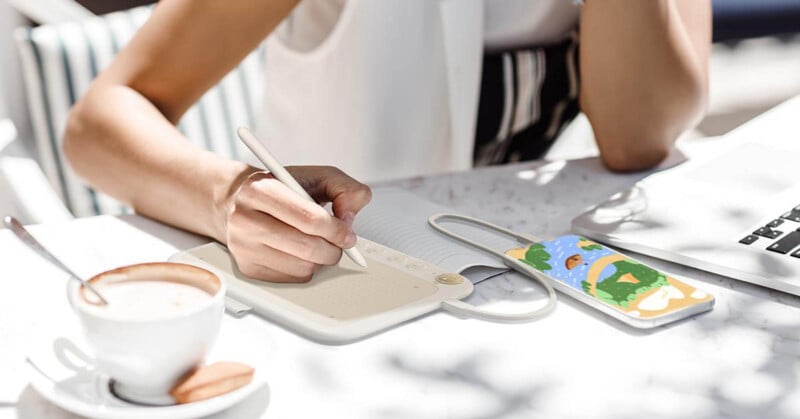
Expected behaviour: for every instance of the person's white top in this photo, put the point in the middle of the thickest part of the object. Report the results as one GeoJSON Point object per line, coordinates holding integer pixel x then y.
{"type": "Point", "coordinates": [518, 23]}
{"type": "Point", "coordinates": [388, 89]}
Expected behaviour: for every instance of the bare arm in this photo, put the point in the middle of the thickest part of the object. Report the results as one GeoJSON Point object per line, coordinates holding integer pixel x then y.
{"type": "Point", "coordinates": [121, 137]}
{"type": "Point", "coordinates": [644, 75]}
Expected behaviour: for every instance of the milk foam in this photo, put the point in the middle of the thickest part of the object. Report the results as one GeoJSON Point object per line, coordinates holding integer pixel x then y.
{"type": "Point", "coordinates": [145, 300]}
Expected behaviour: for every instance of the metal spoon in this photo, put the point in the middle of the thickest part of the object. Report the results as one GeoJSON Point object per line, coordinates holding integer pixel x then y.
{"type": "Point", "coordinates": [23, 234]}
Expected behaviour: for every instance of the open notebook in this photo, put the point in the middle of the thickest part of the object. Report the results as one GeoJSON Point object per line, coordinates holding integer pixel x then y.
{"type": "Point", "coordinates": [398, 219]}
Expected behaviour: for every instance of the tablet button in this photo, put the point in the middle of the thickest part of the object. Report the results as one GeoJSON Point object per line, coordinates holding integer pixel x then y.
{"type": "Point", "coordinates": [450, 279]}
{"type": "Point", "coordinates": [414, 266]}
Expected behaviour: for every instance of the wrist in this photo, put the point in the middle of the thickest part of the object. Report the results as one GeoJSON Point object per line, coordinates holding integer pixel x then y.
{"type": "Point", "coordinates": [224, 197]}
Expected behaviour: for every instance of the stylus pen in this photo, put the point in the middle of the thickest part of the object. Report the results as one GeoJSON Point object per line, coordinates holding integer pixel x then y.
{"type": "Point", "coordinates": [282, 175]}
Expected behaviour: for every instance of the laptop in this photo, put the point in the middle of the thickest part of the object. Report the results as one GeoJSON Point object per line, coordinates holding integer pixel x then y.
{"type": "Point", "coordinates": [732, 209]}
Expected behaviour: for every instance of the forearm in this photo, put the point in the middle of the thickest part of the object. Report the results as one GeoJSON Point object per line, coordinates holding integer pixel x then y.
{"type": "Point", "coordinates": [121, 138]}
{"type": "Point", "coordinates": [121, 144]}
{"type": "Point", "coordinates": [644, 75]}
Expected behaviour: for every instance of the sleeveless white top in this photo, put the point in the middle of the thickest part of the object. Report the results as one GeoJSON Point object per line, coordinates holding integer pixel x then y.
{"type": "Point", "coordinates": [385, 89]}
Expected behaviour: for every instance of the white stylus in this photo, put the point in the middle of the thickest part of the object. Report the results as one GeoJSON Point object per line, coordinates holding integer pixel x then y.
{"type": "Point", "coordinates": [282, 175]}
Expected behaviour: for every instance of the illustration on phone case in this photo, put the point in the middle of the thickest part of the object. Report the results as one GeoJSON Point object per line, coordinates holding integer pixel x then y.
{"type": "Point", "coordinates": [621, 282]}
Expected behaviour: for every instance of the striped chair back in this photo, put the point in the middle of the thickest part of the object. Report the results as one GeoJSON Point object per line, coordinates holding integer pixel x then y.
{"type": "Point", "coordinates": [60, 61]}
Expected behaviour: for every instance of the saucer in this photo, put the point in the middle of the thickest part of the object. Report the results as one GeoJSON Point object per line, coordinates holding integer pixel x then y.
{"type": "Point", "coordinates": [62, 373]}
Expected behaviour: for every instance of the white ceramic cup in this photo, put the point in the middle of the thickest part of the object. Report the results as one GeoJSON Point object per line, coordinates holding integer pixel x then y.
{"type": "Point", "coordinates": [146, 357]}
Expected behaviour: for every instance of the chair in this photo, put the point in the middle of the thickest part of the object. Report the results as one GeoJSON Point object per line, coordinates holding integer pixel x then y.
{"type": "Point", "coordinates": [27, 193]}
{"type": "Point", "coordinates": [59, 62]}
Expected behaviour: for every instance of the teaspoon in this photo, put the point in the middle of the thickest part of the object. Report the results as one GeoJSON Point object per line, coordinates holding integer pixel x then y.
{"type": "Point", "coordinates": [22, 233]}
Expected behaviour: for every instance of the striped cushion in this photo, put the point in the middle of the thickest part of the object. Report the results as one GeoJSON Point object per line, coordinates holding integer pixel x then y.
{"type": "Point", "coordinates": [59, 62]}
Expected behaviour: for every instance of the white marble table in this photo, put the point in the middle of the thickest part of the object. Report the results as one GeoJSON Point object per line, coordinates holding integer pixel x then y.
{"type": "Point", "coordinates": [740, 360]}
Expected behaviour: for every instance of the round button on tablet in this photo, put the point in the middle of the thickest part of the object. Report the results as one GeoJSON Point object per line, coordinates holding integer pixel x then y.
{"type": "Point", "coordinates": [449, 278]}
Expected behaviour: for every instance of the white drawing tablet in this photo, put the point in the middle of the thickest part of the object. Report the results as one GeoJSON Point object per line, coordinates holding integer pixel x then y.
{"type": "Point", "coordinates": [343, 302]}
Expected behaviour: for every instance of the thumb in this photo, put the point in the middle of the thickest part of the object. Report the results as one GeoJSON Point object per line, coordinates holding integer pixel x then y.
{"type": "Point", "coordinates": [349, 202]}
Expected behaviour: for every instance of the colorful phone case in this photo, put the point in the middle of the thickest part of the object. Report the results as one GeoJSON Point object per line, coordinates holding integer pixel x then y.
{"type": "Point", "coordinates": [609, 281]}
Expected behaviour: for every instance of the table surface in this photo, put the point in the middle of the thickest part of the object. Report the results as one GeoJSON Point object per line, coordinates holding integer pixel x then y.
{"type": "Point", "coordinates": [739, 360]}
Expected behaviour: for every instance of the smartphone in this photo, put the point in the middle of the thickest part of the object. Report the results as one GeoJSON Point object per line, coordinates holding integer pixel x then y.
{"type": "Point", "coordinates": [609, 281]}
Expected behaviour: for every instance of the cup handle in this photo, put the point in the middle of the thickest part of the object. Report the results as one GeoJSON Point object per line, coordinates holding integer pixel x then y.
{"type": "Point", "coordinates": [67, 352]}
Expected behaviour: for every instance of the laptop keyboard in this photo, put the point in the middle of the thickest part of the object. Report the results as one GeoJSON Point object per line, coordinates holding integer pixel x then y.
{"type": "Point", "coordinates": [784, 237]}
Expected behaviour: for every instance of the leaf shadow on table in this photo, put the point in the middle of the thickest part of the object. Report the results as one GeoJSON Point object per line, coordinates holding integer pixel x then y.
{"type": "Point", "coordinates": [465, 372]}
{"type": "Point", "coordinates": [746, 311]}
{"type": "Point", "coordinates": [757, 329]}
{"type": "Point", "coordinates": [757, 378]}
{"type": "Point", "coordinates": [767, 323]}
{"type": "Point", "coordinates": [539, 197]}
{"type": "Point", "coordinates": [767, 384]}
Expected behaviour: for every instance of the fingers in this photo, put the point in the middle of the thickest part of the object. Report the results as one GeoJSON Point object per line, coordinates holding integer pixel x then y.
{"type": "Point", "coordinates": [348, 195]}
{"type": "Point", "coordinates": [259, 228]}
{"type": "Point", "coordinates": [272, 197]}
{"type": "Point", "coordinates": [276, 235]}
{"type": "Point", "coordinates": [255, 244]}
{"type": "Point", "coordinates": [348, 204]}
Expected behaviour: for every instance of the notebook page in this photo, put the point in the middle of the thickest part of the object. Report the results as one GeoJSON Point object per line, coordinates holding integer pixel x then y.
{"type": "Point", "coordinates": [398, 219]}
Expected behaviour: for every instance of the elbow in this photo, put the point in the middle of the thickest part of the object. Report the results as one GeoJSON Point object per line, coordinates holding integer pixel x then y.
{"type": "Point", "coordinates": [640, 134]}
{"type": "Point", "coordinates": [633, 159]}
{"type": "Point", "coordinates": [632, 142]}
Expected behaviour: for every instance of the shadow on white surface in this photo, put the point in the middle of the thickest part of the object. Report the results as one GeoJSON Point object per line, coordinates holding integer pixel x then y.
{"type": "Point", "coordinates": [740, 360]}
{"type": "Point", "coordinates": [565, 187]}
{"type": "Point", "coordinates": [734, 369]}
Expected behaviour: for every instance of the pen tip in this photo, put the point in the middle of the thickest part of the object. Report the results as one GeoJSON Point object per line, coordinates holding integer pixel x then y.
{"type": "Point", "coordinates": [356, 257]}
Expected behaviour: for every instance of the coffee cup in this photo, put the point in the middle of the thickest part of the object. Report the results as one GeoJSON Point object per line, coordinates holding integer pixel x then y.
{"type": "Point", "coordinates": [160, 322]}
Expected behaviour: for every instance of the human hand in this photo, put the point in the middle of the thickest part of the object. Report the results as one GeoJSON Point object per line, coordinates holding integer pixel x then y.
{"type": "Point", "coordinates": [276, 235]}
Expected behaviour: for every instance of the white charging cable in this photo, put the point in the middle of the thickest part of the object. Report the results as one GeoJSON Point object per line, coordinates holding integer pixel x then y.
{"type": "Point", "coordinates": [461, 308]}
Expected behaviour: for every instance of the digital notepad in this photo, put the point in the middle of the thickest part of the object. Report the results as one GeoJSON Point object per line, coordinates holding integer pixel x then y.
{"type": "Point", "coordinates": [343, 302]}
